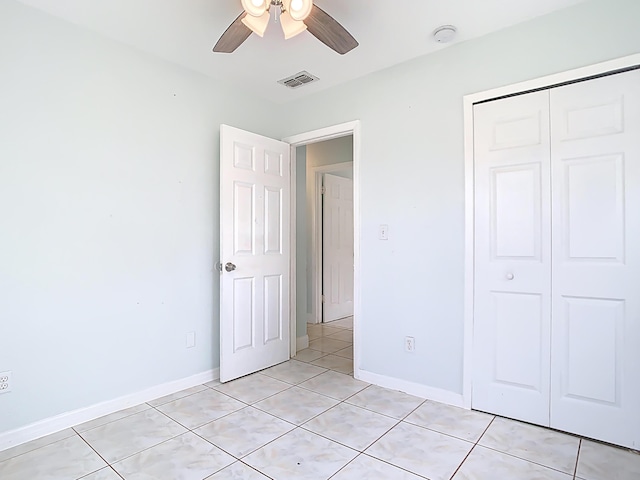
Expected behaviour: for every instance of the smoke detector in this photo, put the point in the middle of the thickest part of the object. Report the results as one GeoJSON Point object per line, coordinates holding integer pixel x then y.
{"type": "Point", "coordinates": [444, 34]}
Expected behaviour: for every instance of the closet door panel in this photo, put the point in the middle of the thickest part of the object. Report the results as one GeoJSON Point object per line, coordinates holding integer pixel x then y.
{"type": "Point", "coordinates": [595, 131]}
{"type": "Point", "coordinates": [512, 258]}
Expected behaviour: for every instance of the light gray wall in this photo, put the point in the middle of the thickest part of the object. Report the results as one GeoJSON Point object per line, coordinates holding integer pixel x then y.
{"type": "Point", "coordinates": [330, 152]}
{"type": "Point", "coordinates": [412, 174]}
{"type": "Point", "coordinates": [109, 204]}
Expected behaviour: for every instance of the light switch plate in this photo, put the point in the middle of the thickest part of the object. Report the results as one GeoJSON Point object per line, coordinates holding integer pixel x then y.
{"type": "Point", "coordinates": [383, 232]}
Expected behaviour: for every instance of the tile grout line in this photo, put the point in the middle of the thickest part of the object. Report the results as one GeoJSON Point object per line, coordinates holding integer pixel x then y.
{"type": "Point", "coordinates": [98, 454]}
{"type": "Point", "coordinates": [346, 465]}
{"type": "Point", "coordinates": [463, 460]}
{"type": "Point", "coordinates": [555, 469]}
{"type": "Point", "coordinates": [37, 448]}
{"type": "Point", "coordinates": [254, 469]}
{"type": "Point", "coordinates": [472, 448]}
{"type": "Point", "coordinates": [109, 467]}
{"type": "Point", "coordinates": [575, 470]}
{"type": "Point", "coordinates": [74, 428]}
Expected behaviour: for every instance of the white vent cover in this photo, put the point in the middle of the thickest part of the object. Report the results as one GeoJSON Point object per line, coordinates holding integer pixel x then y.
{"type": "Point", "coordinates": [300, 79]}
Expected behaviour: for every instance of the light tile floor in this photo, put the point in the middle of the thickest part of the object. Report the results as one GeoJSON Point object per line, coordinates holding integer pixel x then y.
{"type": "Point", "coordinates": [309, 419]}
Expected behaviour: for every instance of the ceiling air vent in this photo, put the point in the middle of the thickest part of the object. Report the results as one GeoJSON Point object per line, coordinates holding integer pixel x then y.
{"type": "Point", "coordinates": [298, 80]}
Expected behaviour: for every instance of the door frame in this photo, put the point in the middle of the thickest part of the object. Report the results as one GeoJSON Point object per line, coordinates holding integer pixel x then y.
{"type": "Point", "coordinates": [317, 249]}
{"type": "Point", "coordinates": [307, 138]}
{"type": "Point", "coordinates": [570, 76]}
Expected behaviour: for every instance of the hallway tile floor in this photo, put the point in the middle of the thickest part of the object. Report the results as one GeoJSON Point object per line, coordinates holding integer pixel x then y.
{"type": "Point", "coordinates": [309, 419]}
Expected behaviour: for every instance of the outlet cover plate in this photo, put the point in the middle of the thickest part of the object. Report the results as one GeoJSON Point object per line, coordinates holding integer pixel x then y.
{"type": "Point", "coordinates": [5, 382]}
{"type": "Point", "coordinates": [410, 344]}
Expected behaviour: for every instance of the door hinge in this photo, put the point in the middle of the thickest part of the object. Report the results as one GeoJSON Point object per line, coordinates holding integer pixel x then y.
{"type": "Point", "coordinates": [322, 298]}
{"type": "Point", "coordinates": [323, 190]}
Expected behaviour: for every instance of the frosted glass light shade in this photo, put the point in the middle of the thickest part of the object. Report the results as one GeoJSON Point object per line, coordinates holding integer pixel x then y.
{"type": "Point", "coordinates": [255, 8]}
{"type": "Point", "coordinates": [291, 27]}
{"type": "Point", "coordinates": [298, 9]}
{"type": "Point", "coordinates": [257, 25]}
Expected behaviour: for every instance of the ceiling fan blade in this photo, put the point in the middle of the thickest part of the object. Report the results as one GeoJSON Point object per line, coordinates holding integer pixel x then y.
{"type": "Point", "coordinates": [234, 36]}
{"type": "Point", "coordinates": [326, 29]}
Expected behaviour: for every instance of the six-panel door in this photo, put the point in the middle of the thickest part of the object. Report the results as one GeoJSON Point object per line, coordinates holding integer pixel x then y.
{"type": "Point", "coordinates": [254, 252]}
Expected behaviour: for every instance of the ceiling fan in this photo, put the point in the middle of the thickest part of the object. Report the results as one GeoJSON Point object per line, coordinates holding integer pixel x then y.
{"type": "Point", "coordinates": [294, 16]}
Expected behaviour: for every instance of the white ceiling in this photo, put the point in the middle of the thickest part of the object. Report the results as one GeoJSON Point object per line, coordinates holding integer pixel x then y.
{"type": "Point", "coordinates": [389, 32]}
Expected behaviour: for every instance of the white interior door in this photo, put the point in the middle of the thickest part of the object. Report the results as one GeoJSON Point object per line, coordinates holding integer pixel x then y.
{"type": "Point", "coordinates": [337, 247]}
{"type": "Point", "coordinates": [596, 258]}
{"type": "Point", "coordinates": [512, 258]}
{"type": "Point", "coordinates": [254, 252]}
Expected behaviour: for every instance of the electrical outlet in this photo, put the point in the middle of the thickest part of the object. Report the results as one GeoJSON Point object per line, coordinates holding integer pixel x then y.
{"type": "Point", "coordinates": [5, 382]}
{"type": "Point", "coordinates": [409, 344]}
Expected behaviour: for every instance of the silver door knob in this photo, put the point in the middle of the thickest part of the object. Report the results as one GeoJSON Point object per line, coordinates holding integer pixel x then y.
{"type": "Point", "coordinates": [229, 267]}
{"type": "Point", "coordinates": [510, 276]}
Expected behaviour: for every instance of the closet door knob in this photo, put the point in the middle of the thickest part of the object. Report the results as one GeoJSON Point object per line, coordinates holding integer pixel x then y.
{"type": "Point", "coordinates": [510, 276]}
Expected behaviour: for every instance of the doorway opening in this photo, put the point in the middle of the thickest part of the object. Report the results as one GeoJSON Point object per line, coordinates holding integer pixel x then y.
{"type": "Point", "coordinates": [326, 249]}
{"type": "Point", "coordinates": [328, 236]}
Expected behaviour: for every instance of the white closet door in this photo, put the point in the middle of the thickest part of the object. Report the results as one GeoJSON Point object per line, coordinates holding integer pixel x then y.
{"type": "Point", "coordinates": [596, 258]}
{"type": "Point", "coordinates": [512, 258]}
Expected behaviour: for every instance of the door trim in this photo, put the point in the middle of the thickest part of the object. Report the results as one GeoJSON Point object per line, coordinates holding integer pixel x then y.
{"type": "Point", "coordinates": [578, 74]}
{"type": "Point", "coordinates": [315, 136]}
{"type": "Point", "coordinates": [317, 173]}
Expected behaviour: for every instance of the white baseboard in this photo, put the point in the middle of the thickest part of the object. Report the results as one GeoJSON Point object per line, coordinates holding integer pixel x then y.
{"type": "Point", "coordinates": [302, 343]}
{"type": "Point", "coordinates": [54, 424]}
{"type": "Point", "coordinates": [416, 389]}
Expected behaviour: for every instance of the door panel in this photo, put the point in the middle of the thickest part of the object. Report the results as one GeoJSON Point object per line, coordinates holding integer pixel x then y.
{"type": "Point", "coordinates": [518, 326]}
{"type": "Point", "coordinates": [243, 313]}
{"type": "Point", "coordinates": [516, 202]}
{"type": "Point", "coordinates": [254, 237]}
{"type": "Point", "coordinates": [337, 247]}
{"type": "Point", "coordinates": [512, 258]}
{"type": "Point", "coordinates": [591, 118]}
{"type": "Point", "coordinates": [596, 263]}
{"type": "Point", "coordinates": [243, 212]}
{"type": "Point", "coordinates": [594, 208]}
{"type": "Point", "coordinates": [593, 328]}
{"type": "Point", "coordinates": [272, 308]}
{"type": "Point", "coordinates": [273, 220]}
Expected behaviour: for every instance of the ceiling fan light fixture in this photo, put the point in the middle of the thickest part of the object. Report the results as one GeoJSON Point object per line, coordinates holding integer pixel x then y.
{"type": "Point", "coordinates": [257, 25]}
{"type": "Point", "coordinates": [255, 8]}
{"type": "Point", "coordinates": [291, 27]}
{"type": "Point", "coordinates": [299, 9]}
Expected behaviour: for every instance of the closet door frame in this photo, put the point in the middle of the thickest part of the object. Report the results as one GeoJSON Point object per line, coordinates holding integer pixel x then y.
{"type": "Point", "coordinates": [584, 73]}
